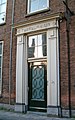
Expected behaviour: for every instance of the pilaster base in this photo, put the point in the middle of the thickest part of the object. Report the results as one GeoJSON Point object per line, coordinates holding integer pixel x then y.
{"type": "Point", "coordinates": [21, 107]}
{"type": "Point", "coordinates": [53, 111]}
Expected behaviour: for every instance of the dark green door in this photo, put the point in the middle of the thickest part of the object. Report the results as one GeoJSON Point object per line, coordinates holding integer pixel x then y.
{"type": "Point", "coordinates": [37, 86]}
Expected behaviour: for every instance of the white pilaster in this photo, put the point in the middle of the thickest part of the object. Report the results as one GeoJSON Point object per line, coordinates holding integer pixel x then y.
{"type": "Point", "coordinates": [26, 73]}
{"type": "Point", "coordinates": [20, 78]}
{"type": "Point", "coordinates": [52, 72]}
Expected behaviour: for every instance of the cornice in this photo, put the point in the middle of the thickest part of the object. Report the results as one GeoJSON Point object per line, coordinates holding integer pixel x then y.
{"type": "Point", "coordinates": [35, 21]}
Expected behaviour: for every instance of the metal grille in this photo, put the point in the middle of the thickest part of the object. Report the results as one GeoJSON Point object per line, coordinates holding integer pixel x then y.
{"type": "Point", "coordinates": [38, 82]}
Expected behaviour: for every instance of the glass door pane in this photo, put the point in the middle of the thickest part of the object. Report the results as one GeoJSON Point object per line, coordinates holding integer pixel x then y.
{"type": "Point", "coordinates": [38, 82]}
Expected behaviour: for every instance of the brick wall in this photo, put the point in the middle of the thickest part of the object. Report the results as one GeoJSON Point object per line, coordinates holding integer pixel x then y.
{"type": "Point", "coordinates": [21, 13]}
{"type": "Point", "coordinates": [20, 17]}
{"type": "Point", "coordinates": [5, 35]}
{"type": "Point", "coordinates": [64, 64]}
{"type": "Point", "coordinates": [72, 60]}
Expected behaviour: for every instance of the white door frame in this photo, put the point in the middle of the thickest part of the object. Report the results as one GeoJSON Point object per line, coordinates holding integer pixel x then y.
{"type": "Point", "coordinates": [51, 27]}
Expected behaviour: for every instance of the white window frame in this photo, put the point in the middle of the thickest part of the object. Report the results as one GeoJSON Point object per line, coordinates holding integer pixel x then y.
{"type": "Point", "coordinates": [39, 10]}
{"type": "Point", "coordinates": [1, 42]}
{"type": "Point", "coordinates": [3, 12]}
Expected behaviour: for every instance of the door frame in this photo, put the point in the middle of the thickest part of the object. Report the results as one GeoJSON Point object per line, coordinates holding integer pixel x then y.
{"type": "Point", "coordinates": [51, 26]}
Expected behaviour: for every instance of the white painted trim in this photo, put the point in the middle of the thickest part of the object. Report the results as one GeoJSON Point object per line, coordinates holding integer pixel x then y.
{"type": "Point", "coordinates": [52, 68]}
{"type": "Point", "coordinates": [1, 67]}
{"type": "Point", "coordinates": [26, 71]}
{"type": "Point", "coordinates": [52, 61]}
{"type": "Point", "coordinates": [37, 27]}
{"type": "Point", "coordinates": [20, 83]}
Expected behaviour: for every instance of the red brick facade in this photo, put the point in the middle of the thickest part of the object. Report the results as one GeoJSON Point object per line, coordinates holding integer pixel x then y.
{"type": "Point", "coordinates": [20, 17]}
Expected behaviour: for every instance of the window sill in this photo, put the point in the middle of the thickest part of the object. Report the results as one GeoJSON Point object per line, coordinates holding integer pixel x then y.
{"type": "Point", "coordinates": [1, 24]}
{"type": "Point", "coordinates": [37, 12]}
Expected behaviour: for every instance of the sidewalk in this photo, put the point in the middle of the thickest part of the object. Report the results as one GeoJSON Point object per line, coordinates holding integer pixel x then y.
{"type": "Point", "coordinates": [4, 115]}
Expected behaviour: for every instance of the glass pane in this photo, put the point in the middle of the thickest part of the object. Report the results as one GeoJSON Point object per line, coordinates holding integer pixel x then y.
{"type": "Point", "coordinates": [31, 52]}
{"type": "Point", "coordinates": [40, 52]}
{"type": "Point", "coordinates": [38, 82]}
{"type": "Point", "coordinates": [36, 52]}
{"type": "Point", "coordinates": [3, 1]}
{"type": "Point", "coordinates": [44, 40]}
{"type": "Point", "coordinates": [33, 5]}
{"type": "Point", "coordinates": [44, 49]}
{"type": "Point", "coordinates": [42, 4]}
{"type": "Point", "coordinates": [32, 42]}
{"type": "Point", "coordinates": [0, 48]}
{"type": "Point", "coordinates": [3, 8]}
{"type": "Point", "coordinates": [40, 39]}
{"type": "Point", "coordinates": [2, 18]}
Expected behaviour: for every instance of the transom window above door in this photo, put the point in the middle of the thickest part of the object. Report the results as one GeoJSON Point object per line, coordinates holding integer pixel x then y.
{"type": "Point", "coordinates": [37, 5]}
{"type": "Point", "coordinates": [37, 46]}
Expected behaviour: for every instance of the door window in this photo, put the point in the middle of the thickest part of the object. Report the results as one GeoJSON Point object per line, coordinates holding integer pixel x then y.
{"type": "Point", "coordinates": [38, 82]}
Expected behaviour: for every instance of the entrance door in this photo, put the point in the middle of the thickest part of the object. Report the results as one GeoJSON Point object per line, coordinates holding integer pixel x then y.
{"type": "Point", "coordinates": [37, 86]}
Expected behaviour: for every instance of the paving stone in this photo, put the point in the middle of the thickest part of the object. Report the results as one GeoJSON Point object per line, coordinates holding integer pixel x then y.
{"type": "Point", "coordinates": [4, 115]}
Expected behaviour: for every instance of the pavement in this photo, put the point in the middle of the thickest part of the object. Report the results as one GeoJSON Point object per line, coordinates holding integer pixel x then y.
{"type": "Point", "coordinates": [5, 115]}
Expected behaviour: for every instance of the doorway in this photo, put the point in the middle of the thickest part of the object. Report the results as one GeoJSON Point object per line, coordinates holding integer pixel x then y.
{"type": "Point", "coordinates": [37, 82]}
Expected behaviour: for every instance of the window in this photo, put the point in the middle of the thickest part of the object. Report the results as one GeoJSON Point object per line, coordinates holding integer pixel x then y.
{"type": "Point", "coordinates": [1, 56]}
{"type": "Point", "coordinates": [37, 46]}
{"type": "Point", "coordinates": [37, 5]}
{"type": "Point", "coordinates": [2, 11]}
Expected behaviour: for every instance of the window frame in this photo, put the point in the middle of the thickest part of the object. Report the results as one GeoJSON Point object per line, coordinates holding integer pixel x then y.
{"type": "Point", "coordinates": [1, 23]}
{"type": "Point", "coordinates": [37, 11]}
{"type": "Point", "coordinates": [1, 42]}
